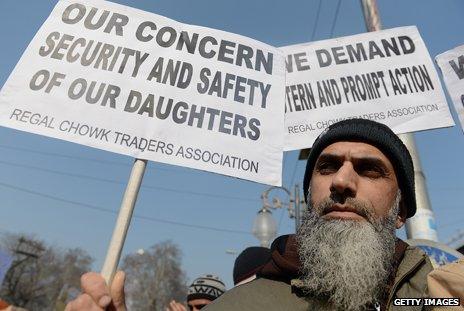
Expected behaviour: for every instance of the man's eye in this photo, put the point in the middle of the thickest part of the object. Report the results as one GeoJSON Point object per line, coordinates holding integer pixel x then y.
{"type": "Point", "coordinates": [372, 172]}
{"type": "Point", "coordinates": [326, 168]}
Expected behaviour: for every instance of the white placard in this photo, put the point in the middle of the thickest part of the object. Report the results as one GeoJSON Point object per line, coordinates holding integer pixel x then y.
{"type": "Point", "coordinates": [452, 66]}
{"type": "Point", "coordinates": [386, 76]}
{"type": "Point", "coordinates": [132, 82]}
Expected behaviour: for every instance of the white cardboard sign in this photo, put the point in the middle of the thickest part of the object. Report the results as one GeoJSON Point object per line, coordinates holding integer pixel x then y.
{"type": "Point", "coordinates": [136, 83]}
{"type": "Point", "coordinates": [452, 66]}
{"type": "Point", "coordinates": [386, 76]}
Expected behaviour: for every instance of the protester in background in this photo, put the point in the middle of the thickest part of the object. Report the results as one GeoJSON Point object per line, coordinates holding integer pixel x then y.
{"type": "Point", "coordinates": [359, 186]}
{"type": "Point", "coordinates": [248, 262]}
{"type": "Point", "coordinates": [201, 292]}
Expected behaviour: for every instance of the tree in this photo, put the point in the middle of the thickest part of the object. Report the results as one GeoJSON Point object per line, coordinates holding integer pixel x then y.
{"type": "Point", "coordinates": [42, 277]}
{"type": "Point", "coordinates": [154, 277]}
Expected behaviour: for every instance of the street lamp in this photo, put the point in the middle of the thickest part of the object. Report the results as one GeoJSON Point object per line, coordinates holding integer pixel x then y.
{"type": "Point", "coordinates": [264, 225]}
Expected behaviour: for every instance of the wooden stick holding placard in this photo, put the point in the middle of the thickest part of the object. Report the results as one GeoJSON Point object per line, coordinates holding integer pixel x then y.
{"type": "Point", "coordinates": [122, 223]}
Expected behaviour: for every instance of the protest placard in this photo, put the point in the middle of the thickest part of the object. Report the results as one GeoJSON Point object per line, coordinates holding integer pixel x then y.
{"type": "Point", "coordinates": [386, 76]}
{"type": "Point", "coordinates": [452, 66]}
{"type": "Point", "coordinates": [136, 83]}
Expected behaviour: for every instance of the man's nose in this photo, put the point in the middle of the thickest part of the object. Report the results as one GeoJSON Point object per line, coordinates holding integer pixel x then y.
{"type": "Point", "coordinates": [344, 181]}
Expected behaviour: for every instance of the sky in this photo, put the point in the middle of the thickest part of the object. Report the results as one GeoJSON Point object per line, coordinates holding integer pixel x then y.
{"type": "Point", "coordinates": [68, 194]}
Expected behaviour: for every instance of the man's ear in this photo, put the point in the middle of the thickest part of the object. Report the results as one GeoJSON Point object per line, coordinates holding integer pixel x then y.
{"type": "Point", "coordinates": [401, 217]}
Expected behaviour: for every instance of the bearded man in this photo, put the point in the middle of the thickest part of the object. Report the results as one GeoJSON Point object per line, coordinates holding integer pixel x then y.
{"type": "Point", "coordinates": [359, 185]}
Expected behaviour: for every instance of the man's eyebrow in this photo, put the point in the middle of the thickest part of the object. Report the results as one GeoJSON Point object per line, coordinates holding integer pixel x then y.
{"type": "Point", "coordinates": [374, 161]}
{"type": "Point", "coordinates": [329, 157]}
{"type": "Point", "coordinates": [364, 160]}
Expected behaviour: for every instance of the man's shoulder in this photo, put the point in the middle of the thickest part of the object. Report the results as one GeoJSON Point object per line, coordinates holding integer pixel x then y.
{"type": "Point", "coordinates": [447, 280]}
{"type": "Point", "coordinates": [259, 294]}
{"type": "Point", "coordinates": [411, 277]}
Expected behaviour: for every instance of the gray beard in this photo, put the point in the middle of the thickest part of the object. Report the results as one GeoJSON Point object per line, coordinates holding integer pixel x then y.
{"type": "Point", "coordinates": [345, 263]}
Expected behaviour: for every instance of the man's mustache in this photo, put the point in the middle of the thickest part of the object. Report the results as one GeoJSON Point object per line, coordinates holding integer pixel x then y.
{"type": "Point", "coordinates": [351, 204]}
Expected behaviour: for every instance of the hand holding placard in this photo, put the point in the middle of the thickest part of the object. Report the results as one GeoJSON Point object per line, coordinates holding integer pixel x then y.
{"type": "Point", "coordinates": [96, 295]}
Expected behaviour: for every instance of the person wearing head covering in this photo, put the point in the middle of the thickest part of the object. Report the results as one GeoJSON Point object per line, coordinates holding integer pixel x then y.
{"type": "Point", "coordinates": [201, 292]}
{"type": "Point", "coordinates": [359, 187]}
{"type": "Point", "coordinates": [248, 263]}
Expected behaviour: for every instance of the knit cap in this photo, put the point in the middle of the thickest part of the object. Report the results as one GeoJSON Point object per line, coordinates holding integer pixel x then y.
{"type": "Point", "coordinates": [249, 262]}
{"type": "Point", "coordinates": [207, 286]}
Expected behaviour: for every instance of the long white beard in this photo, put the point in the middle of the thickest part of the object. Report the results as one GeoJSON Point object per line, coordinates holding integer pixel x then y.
{"type": "Point", "coordinates": [347, 263]}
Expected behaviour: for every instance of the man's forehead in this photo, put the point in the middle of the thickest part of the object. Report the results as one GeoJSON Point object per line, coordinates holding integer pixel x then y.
{"type": "Point", "coordinates": [354, 150]}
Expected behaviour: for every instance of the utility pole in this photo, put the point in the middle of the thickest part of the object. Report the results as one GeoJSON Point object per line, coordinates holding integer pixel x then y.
{"type": "Point", "coordinates": [300, 207]}
{"type": "Point", "coordinates": [422, 225]}
{"type": "Point", "coordinates": [297, 208]}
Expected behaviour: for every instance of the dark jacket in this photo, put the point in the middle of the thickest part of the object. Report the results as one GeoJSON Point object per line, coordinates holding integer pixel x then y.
{"type": "Point", "coordinates": [278, 286]}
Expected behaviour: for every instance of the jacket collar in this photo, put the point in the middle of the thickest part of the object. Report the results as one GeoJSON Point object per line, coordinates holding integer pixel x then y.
{"type": "Point", "coordinates": [412, 259]}
{"type": "Point", "coordinates": [413, 256]}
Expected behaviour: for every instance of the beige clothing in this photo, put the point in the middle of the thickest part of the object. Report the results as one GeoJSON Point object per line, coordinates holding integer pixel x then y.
{"type": "Point", "coordinates": [448, 282]}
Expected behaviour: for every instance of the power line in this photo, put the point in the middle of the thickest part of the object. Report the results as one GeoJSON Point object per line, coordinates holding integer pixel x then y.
{"type": "Point", "coordinates": [456, 238]}
{"type": "Point", "coordinates": [335, 18]}
{"type": "Point", "coordinates": [65, 156]}
{"type": "Point", "coordinates": [458, 221]}
{"type": "Point", "coordinates": [449, 188]}
{"type": "Point", "coordinates": [123, 183]}
{"type": "Point", "coordinates": [316, 20]}
{"type": "Point", "coordinates": [108, 211]}
{"type": "Point", "coordinates": [53, 154]}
